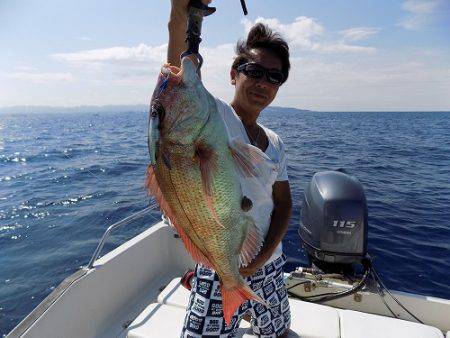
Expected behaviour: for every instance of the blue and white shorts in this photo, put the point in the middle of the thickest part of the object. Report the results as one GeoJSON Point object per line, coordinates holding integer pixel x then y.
{"type": "Point", "coordinates": [204, 316]}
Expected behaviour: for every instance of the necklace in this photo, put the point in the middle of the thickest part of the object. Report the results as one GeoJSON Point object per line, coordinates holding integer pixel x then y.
{"type": "Point", "coordinates": [253, 141]}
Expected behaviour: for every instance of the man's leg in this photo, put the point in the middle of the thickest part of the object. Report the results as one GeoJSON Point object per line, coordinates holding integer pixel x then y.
{"type": "Point", "coordinates": [274, 320]}
{"type": "Point", "coordinates": [204, 315]}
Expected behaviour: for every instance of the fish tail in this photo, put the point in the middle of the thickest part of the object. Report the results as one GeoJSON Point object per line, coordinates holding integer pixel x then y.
{"type": "Point", "coordinates": [233, 298]}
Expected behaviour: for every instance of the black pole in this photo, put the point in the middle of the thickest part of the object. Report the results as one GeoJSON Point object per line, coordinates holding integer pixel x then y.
{"type": "Point", "coordinates": [244, 7]}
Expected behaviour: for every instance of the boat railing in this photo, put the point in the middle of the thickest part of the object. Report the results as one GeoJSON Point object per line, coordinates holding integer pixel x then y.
{"type": "Point", "coordinates": [112, 227]}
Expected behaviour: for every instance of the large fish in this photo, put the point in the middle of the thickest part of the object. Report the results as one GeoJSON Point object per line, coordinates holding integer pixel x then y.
{"type": "Point", "coordinates": [194, 173]}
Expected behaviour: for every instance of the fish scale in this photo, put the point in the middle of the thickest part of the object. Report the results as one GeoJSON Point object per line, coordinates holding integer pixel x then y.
{"type": "Point", "coordinates": [184, 184]}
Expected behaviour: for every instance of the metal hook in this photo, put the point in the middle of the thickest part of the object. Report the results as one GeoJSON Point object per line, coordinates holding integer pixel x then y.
{"type": "Point", "coordinates": [198, 10]}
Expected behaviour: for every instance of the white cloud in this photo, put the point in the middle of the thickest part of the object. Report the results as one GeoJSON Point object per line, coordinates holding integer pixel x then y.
{"type": "Point", "coordinates": [121, 66]}
{"type": "Point", "coordinates": [131, 63]}
{"type": "Point", "coordinates": [389, 83]}
{"type": "Point", "coordinates": [141, 53]}
{"type": "Point", "coordinates": [375, 83]}
{"type": "Point", "coordinates": [419, 13]}
{"type": "Point", "coordinates": [421, 7]}
{"type": "Point", "coordinates": [320, 79]}
{"type": "Point", "coordinates": [216, 69]}
{"type": "Point", "coordinates": [219, 56]}
{"type": "Point", "coordinates": [309, 34]}
{"type": "Point", "coordinates": [27, 69]}
{"type": "Point", "coordinates": [317, 81]}
{"type": "Point", "coordinates": [138, 66]}
{"type": "Point", "coordinates": [83, 38]}
{"type": "Point", "coordinates": [341, 47]}
{"type": "Point", "coordinates": [42, 77]}
{"type": "Point", "coordinates": [358, 33]}
{"type": "Point", "coordinates": [301, 32]}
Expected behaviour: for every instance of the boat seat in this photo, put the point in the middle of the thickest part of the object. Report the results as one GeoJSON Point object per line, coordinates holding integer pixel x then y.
{"type": "Point", "coordinates": [165, 319]}
{"type": "Point", "coordinates": [174, 294]}
{"type": "Point", "coordinates": [160, 320]}
{"type": "Point", "coordinates": [356, 324]}
{"type": "Point", "coordinates": [311, 320]}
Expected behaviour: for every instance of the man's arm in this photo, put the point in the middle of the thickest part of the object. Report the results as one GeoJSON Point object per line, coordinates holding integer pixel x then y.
{"type": "Point", "coordinates": [177, 30]}
{"type": "Point", "coordinates": [278, 226]}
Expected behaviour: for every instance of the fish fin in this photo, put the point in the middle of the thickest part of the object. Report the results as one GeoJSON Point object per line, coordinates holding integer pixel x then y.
{"type": "Point", "coordinates": [233, 298]}
{"type": "Point", "coordinates": [252, 244]}
{"type": "Point", "coordinates": [166, 160]}
{"type": "Point", "coordinates": [154, 190]}
{"type": "Point", "coordinates": [207, 159]}
{"type": "Point", "coordinates": [250, 160]}
{"type": "Point", "coordinates": [150, 181]}
{"type": "Point", "coordinates": [195, 252]}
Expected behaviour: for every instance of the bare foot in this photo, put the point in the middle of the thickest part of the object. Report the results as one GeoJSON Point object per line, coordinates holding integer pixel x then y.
{"type": "Point", "coordinates": [246, 317]}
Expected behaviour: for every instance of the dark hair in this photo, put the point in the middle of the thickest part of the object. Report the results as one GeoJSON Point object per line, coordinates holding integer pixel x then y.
{"type": "Point", "coordinates": [261, 36]}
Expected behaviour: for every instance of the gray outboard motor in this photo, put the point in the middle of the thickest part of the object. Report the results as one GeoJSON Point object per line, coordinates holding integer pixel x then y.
{"type": "Point", "coordinates": [333, 222]}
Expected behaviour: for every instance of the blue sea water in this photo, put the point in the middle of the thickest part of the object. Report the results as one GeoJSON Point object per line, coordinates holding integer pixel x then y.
{"type": "Point", "coordinates": [65, 177]}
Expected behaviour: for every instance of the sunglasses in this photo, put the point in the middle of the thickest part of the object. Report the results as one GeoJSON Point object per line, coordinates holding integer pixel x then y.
{"type": "Point", "coordinates": [256, 71]}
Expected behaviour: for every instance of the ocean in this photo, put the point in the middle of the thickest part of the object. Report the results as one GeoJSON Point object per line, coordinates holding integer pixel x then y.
{"type": "Point", "coordinates": [64, 178]}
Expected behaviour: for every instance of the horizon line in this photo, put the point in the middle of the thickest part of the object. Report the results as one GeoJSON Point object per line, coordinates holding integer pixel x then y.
{"type": "Point", "coordinates": [141, 105]}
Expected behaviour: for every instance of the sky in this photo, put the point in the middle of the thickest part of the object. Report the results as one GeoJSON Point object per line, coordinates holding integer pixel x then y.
{"type": "Point", "coordinates": [346, 55]}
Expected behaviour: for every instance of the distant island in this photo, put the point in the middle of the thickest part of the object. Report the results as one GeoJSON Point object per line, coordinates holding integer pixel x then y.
{"type": "Point", "coordinates": [277, 110]}
{"type": "Point", "coordinates": [138, 108]}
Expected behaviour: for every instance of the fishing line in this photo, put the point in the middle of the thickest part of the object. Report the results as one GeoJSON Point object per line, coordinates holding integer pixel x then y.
{"type": "Point", "coordinates": [83, 167]}
{"type": "Point", "coordinates": [375, 274]}
{"type": "Point", "coordinates": [380, 293]}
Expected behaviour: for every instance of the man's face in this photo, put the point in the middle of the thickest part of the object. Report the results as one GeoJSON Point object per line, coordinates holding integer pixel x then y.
{"type": "Point", "coordinates": [253, 93]}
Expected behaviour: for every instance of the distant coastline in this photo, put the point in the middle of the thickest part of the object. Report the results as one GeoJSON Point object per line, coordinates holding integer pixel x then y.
{"type": "Point", "coordinates": [142, 108]}
{"type": "Point", "coordinates": [137, 108]}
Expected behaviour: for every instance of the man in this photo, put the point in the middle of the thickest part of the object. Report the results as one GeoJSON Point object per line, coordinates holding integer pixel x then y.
{"type": "Point", "coordinates": [259, 69]}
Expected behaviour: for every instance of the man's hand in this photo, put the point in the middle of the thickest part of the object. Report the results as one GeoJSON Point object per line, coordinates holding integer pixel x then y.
{"type": "Point", "coordinates": [281, 193]}
{"type": "Point", "coordinates": [180, 7]}
{"type": "Point", "coordinates": [254, 266]}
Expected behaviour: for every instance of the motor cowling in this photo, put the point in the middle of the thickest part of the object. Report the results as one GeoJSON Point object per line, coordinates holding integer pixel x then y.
{"type": "Point", "coordinates": [333, 221]}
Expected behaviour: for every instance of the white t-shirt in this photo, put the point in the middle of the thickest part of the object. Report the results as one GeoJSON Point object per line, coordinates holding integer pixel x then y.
{"type": "Point", "coordinates": [260, 195]}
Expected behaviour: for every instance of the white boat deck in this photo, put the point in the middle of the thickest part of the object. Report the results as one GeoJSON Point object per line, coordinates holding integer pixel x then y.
{"type": "Point", "coordinates": [308, 320]}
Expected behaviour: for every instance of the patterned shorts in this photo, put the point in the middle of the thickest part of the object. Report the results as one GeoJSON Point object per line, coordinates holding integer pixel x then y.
{"type": "Point", "coordinates": [204, 316]}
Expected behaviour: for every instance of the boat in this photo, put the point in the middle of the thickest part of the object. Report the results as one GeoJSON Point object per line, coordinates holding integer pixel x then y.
{"type": "Point", "coordinates": [135, 291]}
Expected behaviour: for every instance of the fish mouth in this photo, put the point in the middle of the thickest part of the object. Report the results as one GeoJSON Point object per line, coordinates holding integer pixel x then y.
{"type": "Point", "coordinates": [175, 74]}
{"type": "Point", "coordinates": [173, 70]}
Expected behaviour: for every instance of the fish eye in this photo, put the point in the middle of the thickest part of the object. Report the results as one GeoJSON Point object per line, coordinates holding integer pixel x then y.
{"type": "Point", "coordinates": [157, 110]}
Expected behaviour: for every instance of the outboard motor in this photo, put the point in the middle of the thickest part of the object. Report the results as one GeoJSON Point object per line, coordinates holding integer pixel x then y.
{"type": "Point", "coordinates": [333, 230]}
{"type": "Point", "coordinates": [333, 223]}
